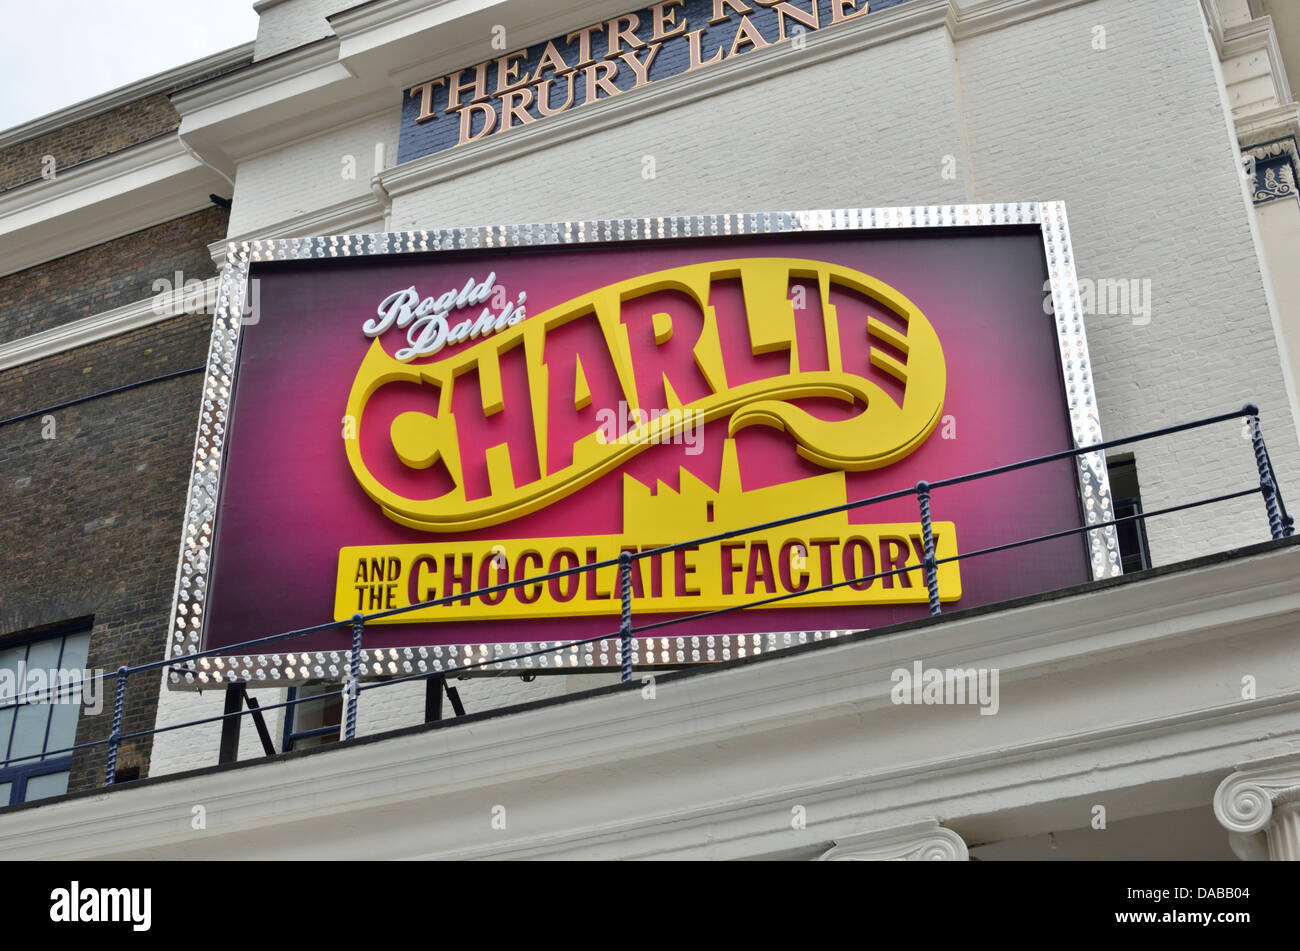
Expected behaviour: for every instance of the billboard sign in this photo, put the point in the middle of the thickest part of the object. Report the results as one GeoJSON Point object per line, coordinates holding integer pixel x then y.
{"type": "Point", "coordinates": [418, 416]}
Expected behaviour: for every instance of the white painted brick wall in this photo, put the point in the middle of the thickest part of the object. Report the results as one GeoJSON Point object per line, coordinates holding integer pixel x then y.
{"type": "Point", "coordinates": [378, 711]}
{"type": "Point", "coordinates": [196, 747]}
{"type": "Point", "coordinates": [390, 708]}
{"type": "Point", "coordinates": [309, 175]}
{"type": "Point", "coordinates": [1134, 138]}
{"type": "Point", "coordinates": [288, 24]}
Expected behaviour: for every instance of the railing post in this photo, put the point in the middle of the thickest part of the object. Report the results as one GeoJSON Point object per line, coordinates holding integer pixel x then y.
{"type": "Point", "coordinates": [931, 566]}
{"type": "Point", "coordinates": [232, 721]}
{"type": "Point", "coordinates": [1267, 486]}
{"type": "Point", "coordinates": [354, 675]}
{"type": "Point", "coordinates": [115, 737]}
{"type": "Point", "coordinates": [625, 626]}
{"type": "Point", "coordinates": [434, 688]}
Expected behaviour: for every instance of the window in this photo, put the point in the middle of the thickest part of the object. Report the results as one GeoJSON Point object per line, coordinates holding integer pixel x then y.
{"type": "Point", "coordinates": [1133, 550]}
{"type": "Point", "coordinates": [312, 724]}
{"type": "Point", "coordinates": [48, 669]}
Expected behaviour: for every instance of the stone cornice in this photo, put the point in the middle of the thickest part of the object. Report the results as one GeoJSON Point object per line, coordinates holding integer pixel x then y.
{"type": "Point", "coordinates": [275, 102]}
{"type": "Point", "coordinates": [1268, 125]}
{"type": "Point", "coordinates": [71, 182]}
{"type": "Point", "coordinates": [102, 199]}
{"type": "Point", "coordinates": [1259, 36]}
{"type": "Point", "coordinates": [285, 68]}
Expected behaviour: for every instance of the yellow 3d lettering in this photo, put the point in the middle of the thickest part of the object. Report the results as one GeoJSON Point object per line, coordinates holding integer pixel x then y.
{"type": "Point", "coordinates": [669, 349]}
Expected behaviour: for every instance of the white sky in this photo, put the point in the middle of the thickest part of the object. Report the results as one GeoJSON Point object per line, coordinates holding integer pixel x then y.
{"type": "Point", "coordinates": [54, 53]}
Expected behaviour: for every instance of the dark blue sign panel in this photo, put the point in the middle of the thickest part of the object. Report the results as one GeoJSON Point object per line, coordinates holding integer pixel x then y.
{"type": "Point", "coordinates": [604, 60]}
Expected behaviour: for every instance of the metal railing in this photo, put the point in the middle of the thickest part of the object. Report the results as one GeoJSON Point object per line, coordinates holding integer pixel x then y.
{"type": "Point", "coordinates": [1281, 525]}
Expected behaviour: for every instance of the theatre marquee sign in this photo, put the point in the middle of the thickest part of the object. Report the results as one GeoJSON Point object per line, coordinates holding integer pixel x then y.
{"type": "Point", "coordinates": [417, 416]}
{"type": "Point", "coordinates": [604, 60]}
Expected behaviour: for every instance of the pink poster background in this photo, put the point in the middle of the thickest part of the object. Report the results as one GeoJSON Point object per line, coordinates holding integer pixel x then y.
{"type": "Point", "coordinates": [290, 501]}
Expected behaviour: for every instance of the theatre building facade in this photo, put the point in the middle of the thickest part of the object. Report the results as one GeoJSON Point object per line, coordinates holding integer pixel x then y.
{"type": "Point", "coordinates": [809, 429]}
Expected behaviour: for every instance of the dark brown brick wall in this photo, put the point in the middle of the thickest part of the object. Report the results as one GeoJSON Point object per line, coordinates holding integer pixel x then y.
{"type": "Point", "coordinates": [108, 275]}
{"type": "Point", "coordinates": [90, 520]}
{"type": "Point", "coordinates": [88, 139]}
